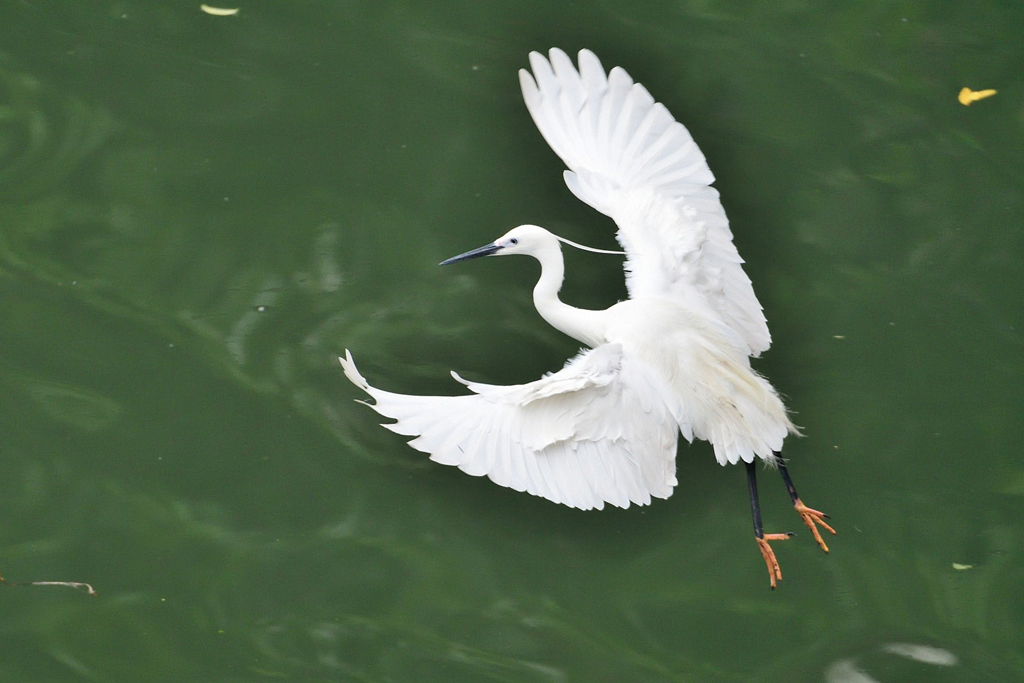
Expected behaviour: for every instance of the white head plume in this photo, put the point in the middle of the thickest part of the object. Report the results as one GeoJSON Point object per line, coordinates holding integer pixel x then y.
{"type": "Point", "coordinates": [580, 246]}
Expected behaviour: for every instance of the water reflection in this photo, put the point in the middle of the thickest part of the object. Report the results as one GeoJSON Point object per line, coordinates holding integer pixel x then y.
{"type": "Point", "coordinates": [43, 136]}
{"type": "Point", "coordinates": [887, 669]}
{"type": "Point", "coordinates": [73, 405]}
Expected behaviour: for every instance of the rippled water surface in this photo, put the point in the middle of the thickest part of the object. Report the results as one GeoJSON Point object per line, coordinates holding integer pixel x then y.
{"type": "Point", "coordinates": [199, 213]}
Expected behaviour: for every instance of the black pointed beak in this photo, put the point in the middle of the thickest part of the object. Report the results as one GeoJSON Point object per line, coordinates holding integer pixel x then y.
{"type": "Point", "coordinates": [485, 250]}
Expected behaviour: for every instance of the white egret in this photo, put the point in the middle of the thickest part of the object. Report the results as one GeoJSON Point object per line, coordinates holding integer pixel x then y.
{"type": "Point", "coordinates": [673, 358]}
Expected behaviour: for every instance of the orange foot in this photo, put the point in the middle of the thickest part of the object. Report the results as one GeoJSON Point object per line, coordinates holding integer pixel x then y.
{"type": "Point", "coordinates": [811, 519]}
{"type": "Point", "coordinates": [774, 573]}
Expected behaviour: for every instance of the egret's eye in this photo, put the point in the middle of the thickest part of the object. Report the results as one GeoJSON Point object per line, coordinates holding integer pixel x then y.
{"type": "Point", "coordinates": [514, 240]}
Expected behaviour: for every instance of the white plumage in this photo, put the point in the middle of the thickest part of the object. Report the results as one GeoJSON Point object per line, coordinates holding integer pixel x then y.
{"type": "Point", "coordinates": [629, 159]}
{"type": "Point", "coordinates": [674, 358]}
{"type": "Point", "coordinates": [552, 437]}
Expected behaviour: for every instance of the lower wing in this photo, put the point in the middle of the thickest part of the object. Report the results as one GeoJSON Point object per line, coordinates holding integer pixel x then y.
{"type": "Point", "coordinates": [596, 431]}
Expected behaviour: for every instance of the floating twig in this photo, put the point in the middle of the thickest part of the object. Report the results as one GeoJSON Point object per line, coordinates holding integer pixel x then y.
{"type": "Point", "coordinates": [70, 584]}
{"type": "Point", "coordinates": [77, 585]}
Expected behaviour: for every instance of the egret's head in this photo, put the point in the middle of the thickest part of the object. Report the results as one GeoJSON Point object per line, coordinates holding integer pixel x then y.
{"type": "Point", "coordinates": [526, 239]}
{"type": "Point", "coordinates": [532, 240]}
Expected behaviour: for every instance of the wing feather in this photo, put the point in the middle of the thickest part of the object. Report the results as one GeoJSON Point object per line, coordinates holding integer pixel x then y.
{"type": "Point", "coordinates": [589, 434]}
{"type": "Point", "coordinates": [630, 159]}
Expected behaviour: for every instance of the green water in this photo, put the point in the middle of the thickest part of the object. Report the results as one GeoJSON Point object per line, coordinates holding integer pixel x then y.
{"type": "Point", "coordinates": [198, 214]}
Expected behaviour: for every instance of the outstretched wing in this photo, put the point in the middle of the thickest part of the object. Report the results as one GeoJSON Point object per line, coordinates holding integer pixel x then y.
{"type": "Point", "coordinates": [629, 159]}
{"type": "Point", "coordinates": [597, 431]}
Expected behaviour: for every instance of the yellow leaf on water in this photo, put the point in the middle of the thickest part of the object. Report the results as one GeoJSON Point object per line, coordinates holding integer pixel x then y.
{"type": "Point", "coordinates": [962, 567]}
{"type": "Point", "coordinates": [219, 11]}
{"type": "Point", "coordinates": [967, 95]}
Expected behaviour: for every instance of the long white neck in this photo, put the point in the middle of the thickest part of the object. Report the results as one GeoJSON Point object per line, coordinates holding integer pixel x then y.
{"type": "Point", "coordinates": [581, 324]}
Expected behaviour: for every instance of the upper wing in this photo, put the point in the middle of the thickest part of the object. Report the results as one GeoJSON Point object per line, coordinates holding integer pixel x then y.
{"type": "Point", "coordinates": [596, 431]}
{"type": "Point", "coordinates": [629, 159]}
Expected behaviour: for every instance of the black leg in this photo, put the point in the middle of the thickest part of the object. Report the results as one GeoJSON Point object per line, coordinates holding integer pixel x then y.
{"type": "Point", "coordinates": [811, 518]}
{"type": "Point", "coordinates": [774, 573]}
{"type": "Point", "coordinates": [755, 506]}
{"type": "Point", "coordinates": [789, 484]}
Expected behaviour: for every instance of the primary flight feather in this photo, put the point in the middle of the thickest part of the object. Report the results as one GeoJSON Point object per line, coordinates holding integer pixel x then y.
{"type": "Point", "coordinates": [672, 359]}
